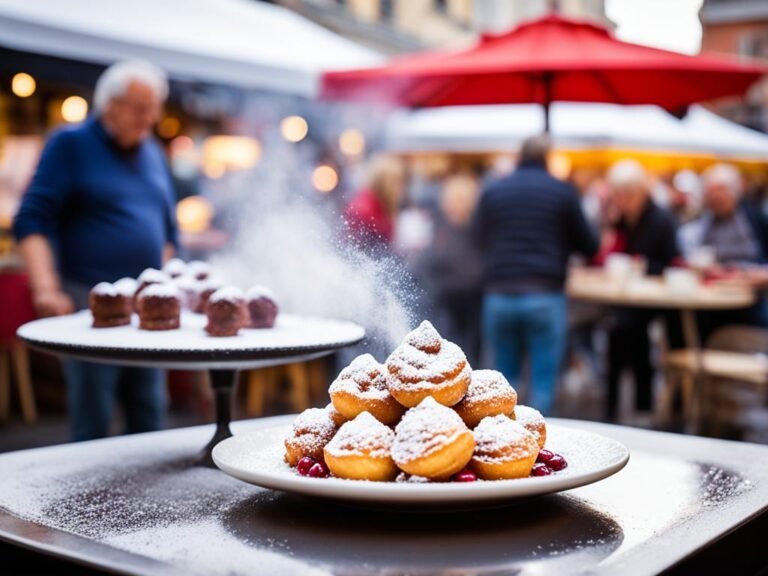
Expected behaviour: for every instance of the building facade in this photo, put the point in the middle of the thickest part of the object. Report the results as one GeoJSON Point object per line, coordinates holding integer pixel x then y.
{"type": "Point", "coordinates": [739, 27]}
{"type": "Point", "coordinates": [396, 26]}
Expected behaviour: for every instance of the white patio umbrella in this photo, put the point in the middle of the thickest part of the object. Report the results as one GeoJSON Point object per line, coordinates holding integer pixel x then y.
{"type": "Point", "coordinates": [235, 42]}
{"type": "Point", "coordinates": [574, 126]}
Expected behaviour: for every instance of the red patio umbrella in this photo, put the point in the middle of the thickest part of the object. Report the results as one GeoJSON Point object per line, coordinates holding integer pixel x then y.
{"type": "Point", "coordinates": [550, 59]}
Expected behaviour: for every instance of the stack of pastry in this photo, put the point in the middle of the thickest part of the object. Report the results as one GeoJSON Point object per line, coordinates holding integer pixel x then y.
{"type": "Point", "coordinates": [423, 415]}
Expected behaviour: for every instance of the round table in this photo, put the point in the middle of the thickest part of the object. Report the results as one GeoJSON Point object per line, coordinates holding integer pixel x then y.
{"type": "Point", "coordinates": [293, 339]}
{"type": "Point", "coordinates": [595, 286]}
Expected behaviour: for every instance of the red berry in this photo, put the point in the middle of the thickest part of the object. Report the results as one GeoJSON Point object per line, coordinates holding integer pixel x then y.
{"type": "Point", "coordinates": [557, 462]}
{"type": "Point", "coordinates": [304, 465]}
{"type": "Point", "coordinates": [465, 476]}
{"type": "Point", "coordinates": [544, 456]}
{"type": "Point", "coordinates": [541, 469]}
{"type": "Point", "coordinates": [318, 470]}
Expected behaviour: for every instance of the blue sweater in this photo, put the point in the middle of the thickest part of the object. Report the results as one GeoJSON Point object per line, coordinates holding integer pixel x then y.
{"type": "Point", "coordinates": [528, 224]}
{"type": "Point", "coordinates": [107, 212]}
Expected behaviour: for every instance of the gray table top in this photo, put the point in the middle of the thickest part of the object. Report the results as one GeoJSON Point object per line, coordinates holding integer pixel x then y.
{"type": "Point", "coordinates": [133, 504]}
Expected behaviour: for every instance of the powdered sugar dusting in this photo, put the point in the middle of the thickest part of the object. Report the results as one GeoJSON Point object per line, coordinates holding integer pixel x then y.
{"type": "Point", "coordinates": [104, 289]}
{"type": "Point", "coordinates": [160, 291]}
{"type": "Point", "coordinates": [126, 286]}
{"type": "Point", "coordinates": [364, 378]}
{"type": "Point", "coordinates": [259, 291]}
{"type": "Point", "coordinates": [198, 267]}
{"type": "Point", "coordinates": [154, 276]}
{"type": "Point", "coordinates": [227, 293]}
{"type": "Point", "coordinates": [312, 429]}
{"type": "Point", "coordinates": [362, 436]}
{"type": "Point", "coordinates": [425, 429]}
{"type": "Point", "coordinates": [424, 361]}
{"type": "Point", "coordinates": [175, 267]}
{"type": "Point", "coordinates": [425, 337]}
{"type": "Point", "coordinates": [529, 418]}
{"type": "Point", "coordinates": [489, 385]}
{"type": "Point", "coordinates": [501, 439]}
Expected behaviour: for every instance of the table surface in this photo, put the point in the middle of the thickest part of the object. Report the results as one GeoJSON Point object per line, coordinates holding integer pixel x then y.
{"type": "Point", "coordinates": [293, 339]}
{"type": "Point", "coordinates": [133, 505]}
{"type": "Point", "coordinates": [593, 285]}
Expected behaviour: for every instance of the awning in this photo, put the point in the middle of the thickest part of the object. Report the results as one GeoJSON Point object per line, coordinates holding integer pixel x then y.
{"type": "Point", "coordinates": [574, 126]}
{"type": "Point", "coordinates": [242, 43]}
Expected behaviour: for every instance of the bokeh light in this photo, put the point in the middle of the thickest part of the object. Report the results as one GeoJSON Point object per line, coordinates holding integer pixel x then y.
{"type": "Point", "coordinates": [23, 85]}
{"type": "Point", "coordinates": [169, 127]}
{"type": "Point", "coordinates": [352, 142]}
{"type": "Point", "coordinates": [325, 178]}
{"type": "Point", "coordinates": [294, 128]}
{"type": "Point", "coordinates": [194, 214]}
{"type": "Point", "coordinates": [225, 153]}
{"type": "Point", "coordinates": [74, 109]}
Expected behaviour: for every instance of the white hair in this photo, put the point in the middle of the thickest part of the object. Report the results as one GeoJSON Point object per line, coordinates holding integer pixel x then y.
{"type": "Point", "coordinates": [627, 173]}
{"type": "Point", "coordinates": [114, 81]}
{"type": "Point", "coordinates": [726, 175]}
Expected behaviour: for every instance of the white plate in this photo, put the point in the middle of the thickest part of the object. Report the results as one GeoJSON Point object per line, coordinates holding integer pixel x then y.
{"type": "Point", "coordinates": [257, 458]}
{"type": "Point", "coordinates": [293, 338]}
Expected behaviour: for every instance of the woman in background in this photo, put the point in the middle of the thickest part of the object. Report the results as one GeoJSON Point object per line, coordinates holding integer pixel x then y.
{"type": "Point", "coordinates": [371, 214]}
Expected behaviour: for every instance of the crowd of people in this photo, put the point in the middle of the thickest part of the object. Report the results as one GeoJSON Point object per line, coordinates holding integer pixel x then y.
{"type": "Point", "coordinates": [492, 252]}
{"type": "Point", "coordinates": [499, 249]}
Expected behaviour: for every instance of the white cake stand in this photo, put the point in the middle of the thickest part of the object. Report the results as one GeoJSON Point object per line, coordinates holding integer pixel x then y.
{"type": "Point", "coordinates": [293, 339]}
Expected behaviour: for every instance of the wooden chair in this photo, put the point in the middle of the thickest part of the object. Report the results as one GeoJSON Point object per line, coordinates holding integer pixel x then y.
{"type": "Point", "coordinates": [733, 354]}
{"type": "Point", "coordinates": [16, 306]}
{"type": "Point", "coordinates": [306, 385]}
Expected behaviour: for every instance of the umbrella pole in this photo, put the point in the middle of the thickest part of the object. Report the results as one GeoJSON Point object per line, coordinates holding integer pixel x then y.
{"type": "Point", "coordinates": [547, 99]}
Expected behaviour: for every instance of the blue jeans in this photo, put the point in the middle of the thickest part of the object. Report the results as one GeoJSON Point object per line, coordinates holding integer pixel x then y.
{"type": "Point", "coordinates": [533, 323]}
{"type": "Point", "coordinates": [94, 389]}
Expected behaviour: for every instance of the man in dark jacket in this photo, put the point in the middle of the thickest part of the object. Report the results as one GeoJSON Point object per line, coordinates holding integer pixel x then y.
{"type": "Point", "coordinates": [528, 225]}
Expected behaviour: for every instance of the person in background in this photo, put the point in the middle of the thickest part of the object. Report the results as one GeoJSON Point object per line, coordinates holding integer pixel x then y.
{"type": "Point", "coordinates": [452, 266]}
{"type": "Point", "coordinates": [735, 233]}
{"type": "Point", "coordinates": [640, 228]}
{"type": "Point", "coordinates": [371, 214]}
{"type": "Point", "coordinates": [528, 224]}
{"type": "Point", "coordinates": [101, 207]}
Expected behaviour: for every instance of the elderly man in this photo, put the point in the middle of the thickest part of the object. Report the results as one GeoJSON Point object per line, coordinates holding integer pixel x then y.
{"type": "Point", "coordinates": [101, 207]}
{"type": "Point", "coordinates": [642, 229]}
{"type": "Point", "coordinates": [529, 224]}
{"type": "Point", "coordinates": [737, 234]}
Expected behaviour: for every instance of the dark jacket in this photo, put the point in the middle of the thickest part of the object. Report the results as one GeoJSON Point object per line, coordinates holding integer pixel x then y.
{"type": "Point", "coordinates": [758, 221]}
{"type": "Point", "coordinates": [528, 224]}
{"type": "Point", "coordinates": [653, 236]}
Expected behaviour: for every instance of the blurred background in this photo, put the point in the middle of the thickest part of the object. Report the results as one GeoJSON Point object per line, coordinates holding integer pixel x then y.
{"type": "Point", "coordinates": [252, 147]}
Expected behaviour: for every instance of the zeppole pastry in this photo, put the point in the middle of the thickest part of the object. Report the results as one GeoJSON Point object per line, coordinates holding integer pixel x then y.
{"type": "Point", "coordinates": [111, 304]}
{"type": "Point", "coordinates": [489, 394]}
{"type": "Point", "coordinates": [262, 307]}
{"type": "Point", "coordinates": [312, 430]}
{"type": "Point", "coordinates": [362, 387]}
{"type": "Point", "coordinates": [226, 312]}
{"type": "Point", "coordinates": [432, 441]}
{"type": "Point", "coordinates": [533, 421]}
{"type": "Point", "coordinates": [426, 365]}
{"type": "Point", "coordinates": [159, 307]}
{"type": "Point", "coordinates": [362, 450]}
{"type": "Point", "coordinates": [504, 449]}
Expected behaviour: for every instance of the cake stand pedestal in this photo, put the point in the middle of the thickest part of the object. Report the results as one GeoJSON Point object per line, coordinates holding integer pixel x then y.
{"type": "Point", "coordinates": [293, 339]}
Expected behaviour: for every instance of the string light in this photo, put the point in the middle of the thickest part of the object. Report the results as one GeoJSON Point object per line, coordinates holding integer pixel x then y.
{"type": "Point", "coordinates": [74, 109]}
{"type": "Point", "coordinates": [325, 178]}
{"type": "Point", "coordinates": [23, 85]}
{"type": "Point", "coordinates": [294, 128]}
